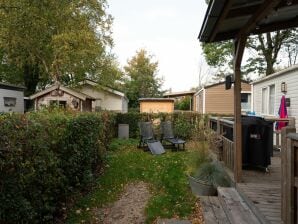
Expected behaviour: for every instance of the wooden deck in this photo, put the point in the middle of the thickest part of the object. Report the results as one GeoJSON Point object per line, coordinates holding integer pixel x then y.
{"type": "Point", "coordinates": [263, 191]}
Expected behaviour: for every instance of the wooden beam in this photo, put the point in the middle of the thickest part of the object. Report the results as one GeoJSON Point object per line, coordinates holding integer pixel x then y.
{"type": "Point", "coordinates": [221, 18]}
{"type": "Point", "coordinates": [242, 11]}
{"type": "Point", "coordinates": [288, 24]}
{"type": "Point", "coordinates": [239, 46]}
{"type": "Point", "coordinates": [263, 11]}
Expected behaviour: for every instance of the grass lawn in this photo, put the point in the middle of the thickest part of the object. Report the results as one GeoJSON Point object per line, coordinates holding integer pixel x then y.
{"type": "Point", "coordinates": [125, 163]}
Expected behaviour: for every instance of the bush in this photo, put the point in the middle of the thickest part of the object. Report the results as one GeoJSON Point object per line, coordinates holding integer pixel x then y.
{"type": "Point", "coordinates": [45, 157]}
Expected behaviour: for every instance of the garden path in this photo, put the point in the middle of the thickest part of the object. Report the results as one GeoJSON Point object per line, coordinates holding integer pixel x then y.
{"type": "Point", "coordinates": [130, 208]}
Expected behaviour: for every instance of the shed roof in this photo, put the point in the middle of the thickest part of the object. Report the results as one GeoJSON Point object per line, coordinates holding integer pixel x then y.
{"type": "Point", "coordinates": [157, 99]}
{"type": "Point", "coordinates": [72, 92]}
{"type": "Point", "coordinates": [277, 74]}
{"type": "Point", "coordinates": [106, 88]}
{"type": "Point", "coordinates": [225, 19]}
{"type": "Point", "coordinates": [177, 94]}
{"type": "Point", "coordinates": [11, 86]}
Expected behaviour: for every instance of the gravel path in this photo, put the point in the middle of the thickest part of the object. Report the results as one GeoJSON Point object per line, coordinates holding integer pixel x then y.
{"type": "Point", "coordinates": [130, 208]}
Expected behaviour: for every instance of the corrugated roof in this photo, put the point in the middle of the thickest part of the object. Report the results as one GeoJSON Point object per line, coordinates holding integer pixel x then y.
{"type": "Point", "coordinates": [274, 75]}
{"type": "Point", "coordinates": [224, 19]}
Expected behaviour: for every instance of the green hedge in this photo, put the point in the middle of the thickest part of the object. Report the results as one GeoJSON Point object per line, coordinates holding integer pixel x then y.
{"type": "Point", "coordinates": [183, 122]}
{"type": "Point", "coordinates": [44, 158]}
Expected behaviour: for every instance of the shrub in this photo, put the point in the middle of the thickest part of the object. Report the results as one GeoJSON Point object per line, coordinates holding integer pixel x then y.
{"type": "Point", "coordinates": [183, 122]}
{"type": "Point", "coordinates": [44, 157]}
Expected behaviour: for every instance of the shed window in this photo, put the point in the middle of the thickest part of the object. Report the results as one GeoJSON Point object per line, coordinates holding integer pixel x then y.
{"type": "Point", "coordinates": [10, 101]}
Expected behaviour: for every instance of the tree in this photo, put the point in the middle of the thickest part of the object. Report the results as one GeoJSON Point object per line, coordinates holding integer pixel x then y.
{"type": "Point", "coordinates": [53, 40]}
{"type": "Point", "coordinates": [290, 48]}
{"type": "Point", "coordinates": [142, 81]}
{"type": "Point", "coordinates": [183, 104]}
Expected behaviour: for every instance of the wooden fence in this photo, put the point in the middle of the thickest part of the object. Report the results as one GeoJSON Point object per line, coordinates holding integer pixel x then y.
{"type": "Point", "coordinates": [289, 177]}
{"type": "Point", "coordinates": [224, 128]}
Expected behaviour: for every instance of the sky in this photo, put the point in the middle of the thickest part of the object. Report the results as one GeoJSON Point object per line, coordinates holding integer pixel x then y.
{"type": "Point", "coordinates": [168, 30]}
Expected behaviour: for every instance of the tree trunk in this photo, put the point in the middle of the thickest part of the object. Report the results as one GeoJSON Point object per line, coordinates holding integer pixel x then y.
{"type": "Point", "coordinates": [269, 68]}
{"type": "Point", "coordinates": [31, 78]}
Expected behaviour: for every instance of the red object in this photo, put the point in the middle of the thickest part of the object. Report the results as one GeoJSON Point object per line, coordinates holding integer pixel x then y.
{"type": "Point", "coordinates": [283, 113]}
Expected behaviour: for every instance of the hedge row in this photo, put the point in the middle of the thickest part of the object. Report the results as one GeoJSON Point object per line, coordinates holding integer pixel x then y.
{"type": "Point", "coordinates": [183, 122]}
{"type": "Point", "coordinates": [44, 158]}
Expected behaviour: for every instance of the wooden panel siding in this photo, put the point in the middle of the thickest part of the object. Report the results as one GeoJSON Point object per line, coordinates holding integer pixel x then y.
{"type": "Point", "coordinates": [221, 101]}
{"type": "Point", "coordinates": [157, 106]}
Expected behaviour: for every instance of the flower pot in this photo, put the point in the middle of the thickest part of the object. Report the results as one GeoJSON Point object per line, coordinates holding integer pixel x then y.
{"type": "Point", "coordinates": [201, 188]}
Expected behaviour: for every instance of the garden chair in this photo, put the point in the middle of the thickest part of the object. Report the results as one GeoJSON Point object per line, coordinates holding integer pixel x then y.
{"type": "Point", "coordinates": [147, 139]}
{"type": "Point", "coordinates": [168, 135]}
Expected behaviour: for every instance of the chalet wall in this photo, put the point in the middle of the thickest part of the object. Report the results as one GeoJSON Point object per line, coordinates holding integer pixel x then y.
{"type": "Point", "coordinates": [47, 98]}
{"type": "Point", "coordinates": [19, 95]}
{"type": "Point", "coordinates": [221, 101]}
{"type": "Point", "coordinates": [104, 99]}
{"type": "Point", "coordinates": [291, 79]}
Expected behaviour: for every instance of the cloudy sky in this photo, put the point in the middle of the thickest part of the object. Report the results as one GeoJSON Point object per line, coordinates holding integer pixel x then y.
{"type": "Point", "coordinates": [168, 29]}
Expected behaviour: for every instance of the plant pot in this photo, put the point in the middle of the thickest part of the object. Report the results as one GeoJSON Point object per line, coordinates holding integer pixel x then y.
{"type": "Point", "coordinates": [201, 188]}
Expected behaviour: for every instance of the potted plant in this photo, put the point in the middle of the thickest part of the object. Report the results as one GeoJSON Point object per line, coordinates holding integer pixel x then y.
{"type": "Point", "coordinates": [208, 177]}
{"type": "Point", "coordinates": [205, 175]}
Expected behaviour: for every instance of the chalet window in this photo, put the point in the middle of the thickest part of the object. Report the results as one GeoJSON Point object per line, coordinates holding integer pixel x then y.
{"type": "Point", "coordinates": [10, 101]}
{"type": "Point", "coordinates": [246, 101]}
{"type": "Point", "coordinates": [60, 103]}
{"type": "Point", "coordinates": [271, 99]}
{"type": "Point", "coordinates": [265, 100]}
{"type": "Point", "coordinates": [244, 97]}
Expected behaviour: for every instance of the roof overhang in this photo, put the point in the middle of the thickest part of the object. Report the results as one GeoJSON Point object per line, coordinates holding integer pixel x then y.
{"type": "Point", "coordinates": [227, 19]}
{"type": "Point", "coordinates": [63, 88]}
{"type": "Point", "coordinates": [277, 74]}
{"type": "Point", "coordinates": [11, 87]}
{"type": "Point", "coordinates": [108, 89]}
{"type": "Point", "coordinates": [179, 94]}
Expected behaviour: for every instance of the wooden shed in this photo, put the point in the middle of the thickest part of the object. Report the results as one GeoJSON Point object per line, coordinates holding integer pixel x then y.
{"type": "Point", "coordinates": [215, 99]}
{"type": "Point", "coordinates": [63, 97]}
{"type": "Point", "coordinates": [156, 105]}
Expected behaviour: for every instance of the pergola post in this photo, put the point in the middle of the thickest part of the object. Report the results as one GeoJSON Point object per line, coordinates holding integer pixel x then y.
{"type": "Point", "coordinates": [239, 45]}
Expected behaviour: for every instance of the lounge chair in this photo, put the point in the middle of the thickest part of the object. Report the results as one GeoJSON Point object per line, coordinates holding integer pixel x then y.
{"type": "Point", "coordinates": [147, 139]}
{"type": "Point", "coordinates": [168, 135]}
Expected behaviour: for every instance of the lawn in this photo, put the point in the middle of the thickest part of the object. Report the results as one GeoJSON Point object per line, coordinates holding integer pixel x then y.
{"type": "Point", "coordinates": [125, 163]}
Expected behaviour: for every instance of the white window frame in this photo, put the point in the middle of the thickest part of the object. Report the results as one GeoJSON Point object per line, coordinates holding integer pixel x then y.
{"type": "Point", "coordinates": [266, 107]}
{"type": "Point", "coordinates": [273, 98]}
{"type": "Point", "coordinates": [267, 112]}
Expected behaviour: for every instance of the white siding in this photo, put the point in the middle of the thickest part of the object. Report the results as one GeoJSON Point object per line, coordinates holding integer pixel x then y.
{"type": "Point", "coordinates": [291, 79]}
{"type": "Point", "coordinates": [19, 95]}
{"type": "Point", "coordinates": [109, 101]}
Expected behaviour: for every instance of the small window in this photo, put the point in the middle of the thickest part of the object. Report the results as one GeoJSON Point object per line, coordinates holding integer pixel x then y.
{"type": "Point", "coordinates": [244, 97]}
{"type": "Point", "coordinates": [10, 101]}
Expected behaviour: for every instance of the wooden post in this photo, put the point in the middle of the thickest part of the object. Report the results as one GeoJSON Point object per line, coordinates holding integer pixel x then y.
{"type": "Point", "coordinates": [284, 161]}
{"type": "Point", "coordinates": [291, 166]}
{"type": "Point", "coordinates": [239, 45]}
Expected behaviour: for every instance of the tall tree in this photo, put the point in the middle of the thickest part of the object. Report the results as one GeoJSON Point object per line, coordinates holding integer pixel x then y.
{"type": "Point", "coordinates": [51, 39]}
{"type": "Point", "coordinates": [142, 80]}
